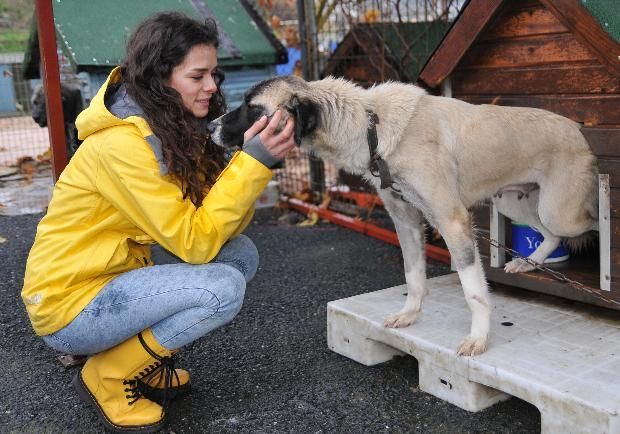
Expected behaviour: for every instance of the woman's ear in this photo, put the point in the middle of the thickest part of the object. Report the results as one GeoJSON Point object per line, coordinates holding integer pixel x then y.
{"type": "Point", "coordinates": [306, 115]}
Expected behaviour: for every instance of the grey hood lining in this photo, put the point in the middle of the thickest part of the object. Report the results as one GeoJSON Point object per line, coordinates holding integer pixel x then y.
{"type": "Point", "coordinates": [122, 105]}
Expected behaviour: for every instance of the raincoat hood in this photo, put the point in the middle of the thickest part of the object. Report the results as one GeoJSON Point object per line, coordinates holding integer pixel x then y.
{"type": "Point", "coordinates": [112, 107]}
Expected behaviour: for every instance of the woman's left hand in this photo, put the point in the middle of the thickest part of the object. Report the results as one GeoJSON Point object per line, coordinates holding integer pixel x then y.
{"type": "Point", "coordinates": [277, 144]}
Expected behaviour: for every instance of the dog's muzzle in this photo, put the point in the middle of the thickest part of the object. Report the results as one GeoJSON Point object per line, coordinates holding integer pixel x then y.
{"type": "Point", "coordinates": [214, 128]}
{"type": "Point", "coordinates": [211, 127]}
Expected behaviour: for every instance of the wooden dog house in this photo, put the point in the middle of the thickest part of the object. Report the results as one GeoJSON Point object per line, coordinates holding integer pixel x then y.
{"type": "Point", "coordinates": [374, 53]}
{"type": "Point", "coordinates": [559, 55]}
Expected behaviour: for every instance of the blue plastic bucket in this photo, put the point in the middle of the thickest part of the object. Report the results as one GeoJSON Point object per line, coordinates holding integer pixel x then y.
{"type": "Point", "coordinates": [526, 239]}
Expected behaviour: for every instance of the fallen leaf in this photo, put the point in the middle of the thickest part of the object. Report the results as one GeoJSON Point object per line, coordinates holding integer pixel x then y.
{"type": "Point", "coordinates": [313, 218]}
{"type": "Point", "coordinates": [2, 239]}
{"type": "Point", "coordinates": [27, 165]}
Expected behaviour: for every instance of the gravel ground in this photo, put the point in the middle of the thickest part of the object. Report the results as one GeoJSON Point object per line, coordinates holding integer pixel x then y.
{"type": "Point", "coordinates": [270, 370]}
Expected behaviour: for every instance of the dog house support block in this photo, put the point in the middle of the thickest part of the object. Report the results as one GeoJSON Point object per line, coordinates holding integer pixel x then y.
{"type": "Point", "coordinates": [562, 358]}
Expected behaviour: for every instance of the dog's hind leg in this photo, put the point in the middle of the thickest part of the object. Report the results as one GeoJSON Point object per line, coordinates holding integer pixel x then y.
{"type": "Point", "coordinates": [525, 211]}
{"type": "Point", "coordinates": [409, 227]}
{"type": "Point", "coordinates": [456, 229]}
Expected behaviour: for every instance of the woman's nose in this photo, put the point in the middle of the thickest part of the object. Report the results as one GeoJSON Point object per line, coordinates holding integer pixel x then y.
{"type": "Point", "coordinates": [209, 84]}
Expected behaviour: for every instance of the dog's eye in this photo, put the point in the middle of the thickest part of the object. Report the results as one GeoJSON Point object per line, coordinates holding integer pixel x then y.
{"type": "Point", "coordinates": [254, 111]}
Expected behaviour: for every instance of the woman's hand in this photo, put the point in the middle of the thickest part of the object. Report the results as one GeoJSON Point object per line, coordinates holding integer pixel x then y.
{"type": "Point", "coordinates": [277, 144]}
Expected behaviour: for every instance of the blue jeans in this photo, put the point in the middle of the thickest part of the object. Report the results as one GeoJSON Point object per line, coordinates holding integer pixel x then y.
{"type": "Point", "coordinates": [180, 302]}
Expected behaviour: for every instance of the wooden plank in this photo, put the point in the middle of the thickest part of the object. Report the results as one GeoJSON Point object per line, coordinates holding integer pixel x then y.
{"type": "Point", "coordinates": [586, 109]}
{"type": "Point", "coordinates": [461, 35]}
{"type": "Point", "coordinates": [516, 21]}
{"type": "Point", "coordinates": [585, 273]}
{"type": "Point", "coordinates": [527, 51]}
{"type": "Point", "coordinates": [613, 168]}
{"type": "Point", "coordinates": [605, 142]}
{"type": "Point", "coordinates": [565, 79]}
{"type": "Point", "coordinates": [615, 265]}
{"type": "Point", "coordinates": [614, 205]}
{"type": "Point", "coordinates": [588, 30]}
{"type": "Point", "coordinates": [615, 226]}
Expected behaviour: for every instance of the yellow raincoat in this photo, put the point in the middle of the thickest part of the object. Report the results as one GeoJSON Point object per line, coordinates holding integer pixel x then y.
{"type": "Point", "coordinates": [114, 200]}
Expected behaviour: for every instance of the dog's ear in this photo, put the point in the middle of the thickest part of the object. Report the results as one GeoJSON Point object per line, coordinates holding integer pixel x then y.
{"type": "Point", "coordinates": [306, 114]}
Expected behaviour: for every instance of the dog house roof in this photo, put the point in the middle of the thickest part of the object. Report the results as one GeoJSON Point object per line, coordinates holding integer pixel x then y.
{"type": "Point", "coordinates": [595, 23]}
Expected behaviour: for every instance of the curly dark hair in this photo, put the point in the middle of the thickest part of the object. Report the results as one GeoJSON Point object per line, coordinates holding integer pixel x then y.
{"type": "Point", "coordinates": [159, 44]}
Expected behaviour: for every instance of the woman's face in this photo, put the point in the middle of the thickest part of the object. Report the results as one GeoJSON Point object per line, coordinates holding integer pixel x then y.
{"type": "Point", "coordinates": [195, 78]}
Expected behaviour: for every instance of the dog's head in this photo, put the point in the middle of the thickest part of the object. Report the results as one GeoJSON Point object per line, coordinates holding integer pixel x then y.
{"type": "Point", "coordinates": [288, 94]}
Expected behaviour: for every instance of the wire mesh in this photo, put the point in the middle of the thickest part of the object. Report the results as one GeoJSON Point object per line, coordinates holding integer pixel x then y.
{"type": "Point", "coordinates": [25, 165]}
{"type": "Point", "coordinates": [368, 42]}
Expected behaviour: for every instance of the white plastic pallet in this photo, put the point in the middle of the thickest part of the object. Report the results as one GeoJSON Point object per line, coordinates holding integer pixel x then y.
{"type": "Point", "coordinates": [563, 359]}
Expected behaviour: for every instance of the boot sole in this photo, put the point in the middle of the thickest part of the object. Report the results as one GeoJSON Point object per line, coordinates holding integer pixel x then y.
{"type": "Point", "coordinates": [157, 395]}
{"type": "Point", "coordinates": [85, 395]}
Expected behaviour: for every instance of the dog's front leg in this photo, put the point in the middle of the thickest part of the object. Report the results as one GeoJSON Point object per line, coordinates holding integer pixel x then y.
{"type": "Point", "coordinates": [458, 235]}
{"type": "Point", "coordinates": [409, 227]}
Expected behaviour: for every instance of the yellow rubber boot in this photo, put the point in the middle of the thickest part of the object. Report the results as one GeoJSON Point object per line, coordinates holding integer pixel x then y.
{"type": "Point", "coordinates": [109, 382]}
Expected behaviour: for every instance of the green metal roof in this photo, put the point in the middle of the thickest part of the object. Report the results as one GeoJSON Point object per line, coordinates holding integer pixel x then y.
{"type": "Point", "coordinates": [424, 37]}
{"type": "Point", "coordinates": [95, 33]}
{"type": "Point", "coordinates": [607, 13]}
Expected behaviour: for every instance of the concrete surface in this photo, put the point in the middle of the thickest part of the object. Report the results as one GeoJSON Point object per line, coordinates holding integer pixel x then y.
{"type": "Point", "coordinates": [270, 370]}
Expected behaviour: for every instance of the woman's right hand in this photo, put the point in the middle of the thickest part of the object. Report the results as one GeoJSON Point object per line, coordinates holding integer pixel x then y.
{"type": "Point", "coordinates": [277, 144]}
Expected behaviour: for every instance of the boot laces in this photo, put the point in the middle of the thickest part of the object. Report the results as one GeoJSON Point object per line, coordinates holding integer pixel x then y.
{"type": "Point", "coordinates": [161, 369]}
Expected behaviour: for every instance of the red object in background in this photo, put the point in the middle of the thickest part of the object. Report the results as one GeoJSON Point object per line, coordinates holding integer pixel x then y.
{"type": "Point", "coordinates": [50, 75]}
{"type": "Point", "coordinates": [363, 200]}
{"type": "Point", "coordinates": [437, 253]}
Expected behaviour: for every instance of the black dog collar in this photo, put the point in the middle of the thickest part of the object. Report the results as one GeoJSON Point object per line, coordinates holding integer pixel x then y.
{"type": "Point", "coordinates": [378, 166]}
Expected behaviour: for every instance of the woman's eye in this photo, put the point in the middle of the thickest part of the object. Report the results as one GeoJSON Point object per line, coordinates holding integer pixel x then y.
{"type": "Point", "coordinates": [196, 78]}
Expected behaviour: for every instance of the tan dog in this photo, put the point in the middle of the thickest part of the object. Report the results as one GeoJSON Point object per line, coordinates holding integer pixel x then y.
{"type": "Point", "coordinates": [443, 155]}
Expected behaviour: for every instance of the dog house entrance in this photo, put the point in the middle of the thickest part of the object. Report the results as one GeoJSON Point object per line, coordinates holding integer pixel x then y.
{"type": "Point", "coordinates": [591, 272]}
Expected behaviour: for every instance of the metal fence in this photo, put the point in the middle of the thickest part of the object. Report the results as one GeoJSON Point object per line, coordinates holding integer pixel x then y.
{"type": "Point", "coordinates": [25, 168]}
{"type": "Point", "coordinates": [368, 42]}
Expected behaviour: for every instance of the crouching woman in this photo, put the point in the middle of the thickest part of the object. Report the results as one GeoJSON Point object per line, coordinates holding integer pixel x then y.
{"type": "Point", "coordinates": [147, 174]}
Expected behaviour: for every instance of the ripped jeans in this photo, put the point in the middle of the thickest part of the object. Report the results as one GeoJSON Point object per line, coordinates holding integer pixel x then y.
{"type": "Point", "coordinates": [180, 302]}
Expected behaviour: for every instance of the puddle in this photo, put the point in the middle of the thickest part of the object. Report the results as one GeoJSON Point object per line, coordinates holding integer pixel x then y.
{"type": "Point", "coordinates": [18, 197]}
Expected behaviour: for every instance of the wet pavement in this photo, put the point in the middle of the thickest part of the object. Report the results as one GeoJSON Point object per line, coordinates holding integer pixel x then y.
{"type": "Point", "coordinates": [270, 370]}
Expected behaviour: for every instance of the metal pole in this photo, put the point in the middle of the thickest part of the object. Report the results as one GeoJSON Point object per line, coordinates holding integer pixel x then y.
{"type": "Point", "coordinates": [307, 36]}
{"type": "Point", "coordinates": [309, 59]}
{"type": "Point", "coordinates": [301, 14]}
{"type": "Point", "coordinates": [312, 40]}
{"type": "Point", "coordinates": [50, 74]}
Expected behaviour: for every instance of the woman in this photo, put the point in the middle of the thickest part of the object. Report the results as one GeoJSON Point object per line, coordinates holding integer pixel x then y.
{"type": "Point", "coordinates": [147, 173]}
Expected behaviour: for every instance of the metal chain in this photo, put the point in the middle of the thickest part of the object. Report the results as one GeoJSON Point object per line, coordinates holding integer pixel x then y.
{"type": "Point", "coordinates": [556, 274]}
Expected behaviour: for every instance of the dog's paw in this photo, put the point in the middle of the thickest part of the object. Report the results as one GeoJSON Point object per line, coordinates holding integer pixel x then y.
{"type": "Point", "coordinates": [518, 266]}
{"type": "Point", "coordinates": [400, 319]}
{"type": "Point", "coordinates": [472, 346]}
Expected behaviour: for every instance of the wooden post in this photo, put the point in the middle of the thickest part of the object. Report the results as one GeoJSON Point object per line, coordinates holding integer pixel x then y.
{"type": "Point", "coordinates": [50, 75]}
{"type": "Point", "coordinates": [498, 233]}
{"type": "Point", "coordinates": [604, 231]}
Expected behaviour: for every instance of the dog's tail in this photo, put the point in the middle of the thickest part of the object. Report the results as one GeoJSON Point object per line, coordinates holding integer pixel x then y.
{"type": "Point", "coordinates": [582, 243]}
